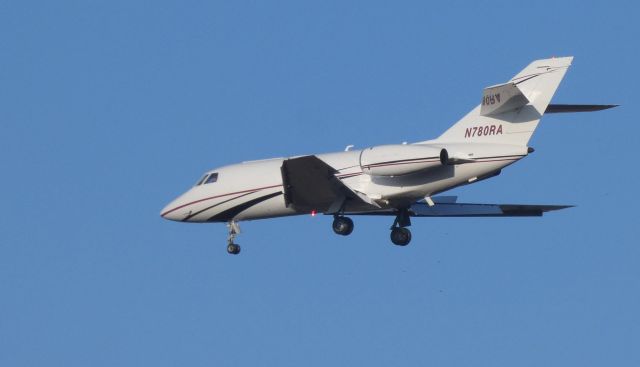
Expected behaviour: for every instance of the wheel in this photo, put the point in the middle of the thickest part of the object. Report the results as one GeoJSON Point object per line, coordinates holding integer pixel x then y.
{"type": "Point", "coordinates": [400, 236]}
{"type": "Point", "coordinates": [343, 226]}
{"type": "Point", "coordinates": [233, 248]}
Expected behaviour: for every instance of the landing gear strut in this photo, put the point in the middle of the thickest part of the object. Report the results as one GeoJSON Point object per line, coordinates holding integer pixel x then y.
{"type": "Point", "coordinates": [342, 225]}
{"type": "Point", "coordinates": [400, 235]}
{"type": "Point", "coordinates": [234, 230]}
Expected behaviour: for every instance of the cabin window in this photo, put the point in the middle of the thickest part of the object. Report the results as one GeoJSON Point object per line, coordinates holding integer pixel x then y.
{"type": "Point", "coordinates": [212, 178]}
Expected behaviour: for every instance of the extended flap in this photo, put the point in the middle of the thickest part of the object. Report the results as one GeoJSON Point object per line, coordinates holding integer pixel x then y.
{"type": "Point", "coordinates": [502, 98]}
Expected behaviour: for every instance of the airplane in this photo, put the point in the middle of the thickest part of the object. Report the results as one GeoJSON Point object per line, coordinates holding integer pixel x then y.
{"type": "Point", "coordinates": [396, 180]}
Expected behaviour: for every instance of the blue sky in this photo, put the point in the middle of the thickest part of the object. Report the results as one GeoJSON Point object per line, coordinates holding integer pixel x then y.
{"type": "Point", "coordinates": [109, 109]}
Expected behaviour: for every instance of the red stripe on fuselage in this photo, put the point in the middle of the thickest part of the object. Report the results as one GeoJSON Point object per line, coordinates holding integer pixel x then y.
{"type": "Point", "coordinates": [348, 175]}
{"type": "Point", "coordinates": [215, 197]}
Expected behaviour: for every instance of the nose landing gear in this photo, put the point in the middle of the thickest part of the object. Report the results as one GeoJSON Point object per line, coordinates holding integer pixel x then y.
{"type": "Point", "coordinates": [233, 248]}
{"type": "Point", "coordinates": [234, 230]}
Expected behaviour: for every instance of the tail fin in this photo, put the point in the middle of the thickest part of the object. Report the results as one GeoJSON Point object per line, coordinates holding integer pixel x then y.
{"type": "Point", "coordinates": [509, 113]}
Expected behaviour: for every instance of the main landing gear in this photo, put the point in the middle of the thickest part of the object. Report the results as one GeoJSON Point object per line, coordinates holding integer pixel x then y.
{"type": "Point", "coordinates": [234, 230]}
{"type": "Point", "coordinates": [342, 225]}
{"type": "Point", "coordinates": [400, 235]}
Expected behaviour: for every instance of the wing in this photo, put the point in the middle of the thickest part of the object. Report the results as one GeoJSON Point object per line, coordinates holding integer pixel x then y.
{"type": "Point", "coordinates": [310, 184]}
{"type": "Point", "coordinates": [482, 210]}
{"type": "Point", "coordinates": [447, 208]}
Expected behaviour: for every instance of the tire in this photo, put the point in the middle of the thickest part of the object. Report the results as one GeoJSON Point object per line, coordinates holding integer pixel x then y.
{"type": "Point", "coordinates": [233, 249]}
{"type": "Point", "coordinates": [400, 236]}
{"type": "Point", "coordinates": [343, 226]}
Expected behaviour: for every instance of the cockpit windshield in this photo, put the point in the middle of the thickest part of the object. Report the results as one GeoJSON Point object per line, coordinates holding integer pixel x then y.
{"type": "Point", "coordinates": [208, 178]}
{"type": "Point", "coordinates": [212, 178]}
{"type": "Point", "coordinates": [200, 181]}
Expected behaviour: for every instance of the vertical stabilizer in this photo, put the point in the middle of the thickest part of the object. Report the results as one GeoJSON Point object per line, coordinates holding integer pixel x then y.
{"type": "Point", "coordinates": [509, 112]}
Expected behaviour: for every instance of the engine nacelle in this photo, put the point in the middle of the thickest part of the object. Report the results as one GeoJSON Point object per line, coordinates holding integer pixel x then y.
{"type": "Point", "coordinates": [461, 153]}
{"type": "Point", "coordinates": [398, 160]}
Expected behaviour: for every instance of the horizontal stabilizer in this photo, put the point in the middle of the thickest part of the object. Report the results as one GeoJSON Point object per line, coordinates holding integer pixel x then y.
{"type": "Point", "coordinates": [565, 108]}
{"type": "Point", "coordinates": [502, 98]}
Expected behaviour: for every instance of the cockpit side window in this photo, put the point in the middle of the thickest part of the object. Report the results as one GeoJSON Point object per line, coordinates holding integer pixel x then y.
{"type": "Point", "coordinates": [212, 178]}
{"type": "Point", "coordinates": [200, 181]}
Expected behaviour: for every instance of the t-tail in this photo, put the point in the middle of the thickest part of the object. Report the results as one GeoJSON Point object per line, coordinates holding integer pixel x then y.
{"type": "Point", "coordinates": [509, 113]}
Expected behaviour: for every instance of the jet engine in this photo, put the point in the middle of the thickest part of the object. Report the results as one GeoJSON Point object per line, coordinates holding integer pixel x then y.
{"type": "Point", "coordinates": [397, 160]}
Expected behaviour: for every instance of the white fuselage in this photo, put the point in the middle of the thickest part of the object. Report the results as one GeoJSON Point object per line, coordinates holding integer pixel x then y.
{"type": "Point", "coordinates": [254, 190]}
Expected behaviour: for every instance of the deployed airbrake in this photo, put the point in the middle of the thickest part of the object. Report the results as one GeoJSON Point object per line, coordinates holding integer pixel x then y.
{"type": "Point", "coordinates": [397, 180]}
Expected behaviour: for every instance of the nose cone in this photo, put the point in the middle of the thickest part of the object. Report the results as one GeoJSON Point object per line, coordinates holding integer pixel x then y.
{"type": "Point", "coordinates": [180, 208]}
{"type": "Point", "coordinates": [172, 211]}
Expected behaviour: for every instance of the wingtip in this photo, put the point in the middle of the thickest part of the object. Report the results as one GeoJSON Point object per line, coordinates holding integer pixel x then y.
{"type": "Point", "coordinates": [560, 207]}
{"type": "Point", "coordinates": [608, 106]}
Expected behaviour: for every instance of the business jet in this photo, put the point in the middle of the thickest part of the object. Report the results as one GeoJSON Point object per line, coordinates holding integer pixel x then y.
{"type": "Point", "coordinates": [397, 180]}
